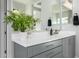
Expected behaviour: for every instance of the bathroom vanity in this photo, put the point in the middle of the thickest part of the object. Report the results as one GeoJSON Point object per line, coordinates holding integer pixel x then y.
{"type": "Point", "coordinates": [60, 45]}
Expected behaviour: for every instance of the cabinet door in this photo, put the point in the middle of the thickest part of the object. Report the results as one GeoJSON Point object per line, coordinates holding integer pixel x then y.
{"type": "Point", "coordinates": [69, 47]}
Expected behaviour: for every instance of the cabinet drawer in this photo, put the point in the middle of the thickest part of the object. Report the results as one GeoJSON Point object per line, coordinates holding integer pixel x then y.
{"type": "Point", "coordinates": [59, 56]}
{"type": "Point", "coordinates": [35, 50]}
{"type": "Point", "coordinates": [50, 53]}
{"type": "Point", "coordinates": [54, 52]}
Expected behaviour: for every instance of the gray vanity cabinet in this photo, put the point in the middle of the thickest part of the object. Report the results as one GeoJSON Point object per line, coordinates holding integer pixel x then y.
{"type": "Point", "coordinates": [69, 47]}
{"type": "Point", "coordinates": [20, 51]}
{"type": "Point", "coordinates": [44, 50]}
{"type": "Point", "coordinates": [54, 49]}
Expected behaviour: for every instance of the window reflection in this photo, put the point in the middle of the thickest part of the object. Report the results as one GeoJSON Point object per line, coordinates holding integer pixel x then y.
{"type": "Point", "coordinates": [66, 12]}
{"type": "Point", "coordinates": [56, 12]}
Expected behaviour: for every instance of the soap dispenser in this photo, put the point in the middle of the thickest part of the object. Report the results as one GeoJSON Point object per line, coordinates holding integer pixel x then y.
{"type": "Point", "coordinates": [49, 22]}
{"type": "Point", "coordinates": [75, 19]}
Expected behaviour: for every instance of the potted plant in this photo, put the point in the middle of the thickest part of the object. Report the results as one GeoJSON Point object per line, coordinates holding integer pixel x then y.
{"type": "Point", "coordinates": [20, 22]}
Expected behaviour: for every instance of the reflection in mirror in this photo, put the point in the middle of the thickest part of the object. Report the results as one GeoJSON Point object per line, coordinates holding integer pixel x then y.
{"type": "Point", "coordinates": [61, 13]}
{"type": "Point", "coordinates": [23, 5]}
{"type": "Point", "coordinates": [66, 11]}
{"type": "Point", "coordinates": [37, 9]}
{"type": "Point", "coordinates": [56, 12]}
{"type": "Point", "coordinates": [30, 7]}
{"type": "Point", "coordinates": [36, 12]}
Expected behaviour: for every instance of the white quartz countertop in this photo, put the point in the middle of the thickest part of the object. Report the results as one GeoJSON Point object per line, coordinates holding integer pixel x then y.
{"type": "Point", "coordinates": [39, 38]}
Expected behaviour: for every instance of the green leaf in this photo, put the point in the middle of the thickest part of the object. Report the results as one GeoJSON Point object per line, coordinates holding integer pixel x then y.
{"type": "Point", "coordinates": [21, 21]}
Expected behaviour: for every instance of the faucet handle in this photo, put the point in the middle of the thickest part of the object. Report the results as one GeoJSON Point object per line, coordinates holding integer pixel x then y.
{"type": "Point", "coordinates": [56, 31]}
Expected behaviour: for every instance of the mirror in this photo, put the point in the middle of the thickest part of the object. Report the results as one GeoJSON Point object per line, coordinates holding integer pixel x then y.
{"type": "Point", "coordinates": [23, 5]}
{"type": "Point", "coordinates": [60, 11]}
{"type": "Point", "coordinates": [56, 12]}
{"type": "Point", "coordinates": [36, 12]}
{"type": "Point", "coordinates": [66, 11]}
{"type": "Point", "coordinates": [30, 7]}
{"type": "Point", "coordinates": [37, 9]}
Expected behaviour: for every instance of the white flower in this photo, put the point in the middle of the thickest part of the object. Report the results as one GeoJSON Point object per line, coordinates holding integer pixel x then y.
{"type": "Point", "coordinates": [16, 12]}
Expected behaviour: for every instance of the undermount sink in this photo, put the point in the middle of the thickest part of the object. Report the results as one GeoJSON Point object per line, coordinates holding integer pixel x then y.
{"type": "Point", "coordinates": [39, 35]}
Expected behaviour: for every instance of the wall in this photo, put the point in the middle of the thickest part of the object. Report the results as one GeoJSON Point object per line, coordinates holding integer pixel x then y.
{"type": "Point", "coordinates": [2, 29]}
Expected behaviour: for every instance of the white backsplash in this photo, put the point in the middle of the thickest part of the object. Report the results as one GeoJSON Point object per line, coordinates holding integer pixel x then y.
{"type": "Point", "coordinates": [69, 27]}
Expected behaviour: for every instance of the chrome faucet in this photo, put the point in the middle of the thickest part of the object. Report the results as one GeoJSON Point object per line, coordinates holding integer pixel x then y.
{"type": "Point", "coordinates": [53, 32]}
